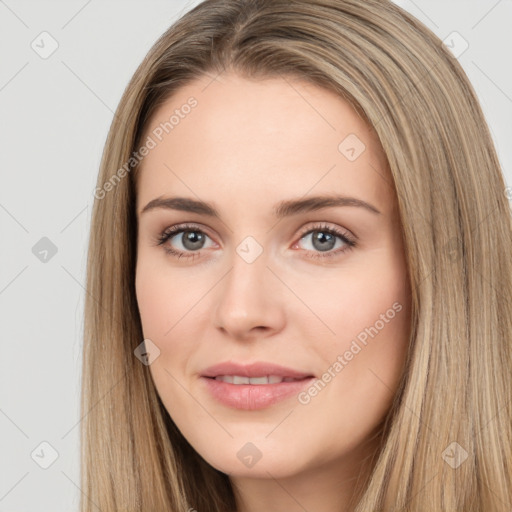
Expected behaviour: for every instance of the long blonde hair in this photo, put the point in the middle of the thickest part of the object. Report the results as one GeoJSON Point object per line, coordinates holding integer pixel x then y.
{"type": "Point", "coordinates": [447, 441]}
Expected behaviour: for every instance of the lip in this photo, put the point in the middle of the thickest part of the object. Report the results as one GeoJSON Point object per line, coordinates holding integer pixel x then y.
{"type": "Point", "coordinates": [250, 396]}
{"type": "Point", "coordinates": [257, 369]}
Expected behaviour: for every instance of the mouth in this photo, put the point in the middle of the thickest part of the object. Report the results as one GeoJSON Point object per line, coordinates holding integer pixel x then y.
{"type": "Point", "coordinates": [254, 386]}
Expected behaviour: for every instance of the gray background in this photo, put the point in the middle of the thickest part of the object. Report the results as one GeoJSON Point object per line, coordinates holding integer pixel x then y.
{"type": "Point", "coordinates": [55, 114]}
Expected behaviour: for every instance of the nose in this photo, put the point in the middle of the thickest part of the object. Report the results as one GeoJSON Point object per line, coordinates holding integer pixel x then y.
{"type": "Point", "coordinates": [250, 300]}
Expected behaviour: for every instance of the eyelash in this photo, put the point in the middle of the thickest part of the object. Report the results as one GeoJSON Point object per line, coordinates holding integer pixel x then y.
{"type": "Point", "coordinates": [169, 233]}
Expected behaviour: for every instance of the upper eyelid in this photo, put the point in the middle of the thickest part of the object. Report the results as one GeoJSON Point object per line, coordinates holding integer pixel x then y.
{"type": "Point", "coordinates": [180, 228]}
{"type": "Point", "coordinates": [311, 226]}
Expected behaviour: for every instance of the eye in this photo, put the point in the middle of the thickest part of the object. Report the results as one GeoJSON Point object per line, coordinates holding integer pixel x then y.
{"type": "Point", "coordinates": [189, 236]}
{"type": "Point", "coordinates": [324, 239]}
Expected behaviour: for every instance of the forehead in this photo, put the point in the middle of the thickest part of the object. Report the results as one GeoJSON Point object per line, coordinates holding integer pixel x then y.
{"type": "Point", "coordinates": [276, 137]}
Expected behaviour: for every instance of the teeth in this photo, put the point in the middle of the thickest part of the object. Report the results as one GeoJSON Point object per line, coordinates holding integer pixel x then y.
{"type": "Point", "coordinates": [269, 379]}
{"type": "Point", "coordinates": [255, 380]}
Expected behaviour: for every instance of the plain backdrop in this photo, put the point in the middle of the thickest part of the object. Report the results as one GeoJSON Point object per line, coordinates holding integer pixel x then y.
{"type": "Point", "coordinates": [55, 112]}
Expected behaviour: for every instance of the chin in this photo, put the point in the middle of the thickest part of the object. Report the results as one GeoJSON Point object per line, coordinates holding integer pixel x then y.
{"type": "Point", "coordinates": [248, 460]}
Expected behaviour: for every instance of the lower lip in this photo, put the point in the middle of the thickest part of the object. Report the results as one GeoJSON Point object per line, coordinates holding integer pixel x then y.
{"type": "Point", "coordinates": [254, 396]}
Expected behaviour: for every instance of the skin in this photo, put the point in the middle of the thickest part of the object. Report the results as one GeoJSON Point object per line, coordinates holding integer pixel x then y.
{"type": "Point", "coordinates": [245, 147]}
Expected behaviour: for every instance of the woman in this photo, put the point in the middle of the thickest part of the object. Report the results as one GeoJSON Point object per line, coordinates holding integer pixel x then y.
{"type": "Point", "coordinates": [298, 277]}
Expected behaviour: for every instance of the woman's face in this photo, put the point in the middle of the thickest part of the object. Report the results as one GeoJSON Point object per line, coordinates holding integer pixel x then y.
{"type": "Point", "coordinates": [275, 269]}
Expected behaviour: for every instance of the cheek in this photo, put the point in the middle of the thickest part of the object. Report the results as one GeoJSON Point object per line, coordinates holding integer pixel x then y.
{"type": "Point", "coordinates": [372, 323]}
{"type": "Point", "coordinates": [152, 300]}
{"type": "Point", "coordinates": [164, 299]}
{"type": "Point", "coordinates": [367, 309]}
{"type": "Point", "coordinates": [170, 303]}
{"type": "Point", "coordinates": [364, 361]}
{"type": "Point", "coordinates": [163, 314]}
{"type": "Point", "coordinates": [352, 298]}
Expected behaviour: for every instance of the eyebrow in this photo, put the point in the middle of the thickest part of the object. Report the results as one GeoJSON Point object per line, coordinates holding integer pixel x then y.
{"type": "Point", "coordinates": [282, 209]}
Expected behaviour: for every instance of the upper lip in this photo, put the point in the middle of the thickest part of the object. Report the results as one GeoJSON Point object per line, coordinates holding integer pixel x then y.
{"type": "Point", "coordinates": [257, 369]}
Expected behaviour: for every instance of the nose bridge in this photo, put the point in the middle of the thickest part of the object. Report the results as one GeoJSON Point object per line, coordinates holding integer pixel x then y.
{"type": "Point", "coordinates": [248, 297]}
